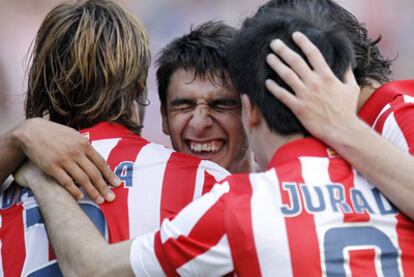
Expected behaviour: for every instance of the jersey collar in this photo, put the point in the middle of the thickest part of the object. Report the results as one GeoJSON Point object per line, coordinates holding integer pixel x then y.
{"type": "Point", "coordinates": [107, 130]}
{"type": "Point", "coordinates": [306, 147]}
{"type": "Point", "coordinates": [381, 97]}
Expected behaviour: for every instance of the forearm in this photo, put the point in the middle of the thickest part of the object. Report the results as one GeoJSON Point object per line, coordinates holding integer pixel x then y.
{"type": "Point", "coordinates": [386, 166]}
{"type": "Point", "coordinates": [11, 155]}
{"type": "Point", "coordinates": [79, 247]}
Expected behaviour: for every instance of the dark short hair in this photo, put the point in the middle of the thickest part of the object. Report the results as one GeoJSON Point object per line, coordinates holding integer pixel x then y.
{"type": "Point", "coordinates": [89, 64]}
{"type": "Point", "coordinates": [249, 70]}
{"type": "Point", "coordinates": [203, 50]}
{"type": "Point", "coordinates": [370, 64]}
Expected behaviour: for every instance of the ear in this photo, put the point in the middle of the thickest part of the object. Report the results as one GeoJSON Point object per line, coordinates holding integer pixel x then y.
{"type": "Point", "coordinates": [165, 125]}
{"type": "Point", "coordinates": [252, 113]}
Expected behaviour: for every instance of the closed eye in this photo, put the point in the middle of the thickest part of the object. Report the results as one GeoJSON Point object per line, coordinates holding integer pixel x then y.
{"type": "Point", "coordinates": [224, 104]}
{"type": "Point", "coordinates": [182, 104]}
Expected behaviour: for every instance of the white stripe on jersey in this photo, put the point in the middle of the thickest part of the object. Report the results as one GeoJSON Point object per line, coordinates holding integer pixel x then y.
{"type": "Point", "coordinates": [144, 200]}
{"type": "Point", "coordinates": [408, 99]}
{"type": "Point", "coordinates": [185, 221]}
{"type": "Point", "coordinates": [143, 246]}
{"type": "Point", "coordinates": [219, 255]}
{"type": "Point", "coordinates": [211, 168]}
{"type": "Point", "coordinates": [105, 146]}
{"type": "Point", "coordinates": [198, 189]}
{"type": "Point", "coordinates": [215, 170]}
{"type": "Point", "coordinates": [269, 229]}
{"type": "Point", "coordinates": [315, 172]}
{"type": "Point", "coordinates": [36, 240]}
{"type": "Point", "coordinates": [392, 132]}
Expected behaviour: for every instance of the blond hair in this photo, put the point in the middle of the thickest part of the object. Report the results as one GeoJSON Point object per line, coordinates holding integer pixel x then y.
{"type": "Point", "coordinates": [89, 64]}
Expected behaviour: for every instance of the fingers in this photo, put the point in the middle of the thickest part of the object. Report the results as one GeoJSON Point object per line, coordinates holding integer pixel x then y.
{"type": "Point", "coordinates": [286, 73]}
{"type": "Point", "coordinates": [67, 182]}
{"type": "Point", "coordinates": [282, 94]}
{"type": "Point", "coordinates": [103, 167]}
{"type": "Point", "coordinates": [312, 53]}
{"type": "Point", "coordinates": [95, 180]}
{"type": "Point", "coordinates": [83, 180]}
{"type": "Point", "coordinates": [291, 58]}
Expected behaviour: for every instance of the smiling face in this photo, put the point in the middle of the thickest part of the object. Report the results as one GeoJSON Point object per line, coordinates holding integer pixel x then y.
{"type": "Point", "coordinates": [203, 119]}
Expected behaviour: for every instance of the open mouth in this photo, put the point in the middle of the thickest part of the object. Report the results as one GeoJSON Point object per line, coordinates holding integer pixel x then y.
{"type": "Point", "coordinates": [206, 147]}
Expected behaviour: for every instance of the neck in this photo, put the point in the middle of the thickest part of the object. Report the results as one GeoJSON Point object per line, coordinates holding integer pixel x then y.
{"type": "Point", "coordinates": [366, 92]}
{"type": "Point", "coordinates": [245, 165]}
{"type": "Point", "coordinates": [268, 143]}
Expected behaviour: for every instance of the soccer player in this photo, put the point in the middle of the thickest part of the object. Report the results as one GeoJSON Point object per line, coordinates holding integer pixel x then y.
{"type": "Point", "coordinates": [90, 64]}
{"type": "Point", "coordinates": [309, 214]}
{"type": "Point", "coordinates": [200, 107]}
{"type": "Point", "coordinates": [200, 110]}
{"type": "Point", "coordinates": [386, 107]}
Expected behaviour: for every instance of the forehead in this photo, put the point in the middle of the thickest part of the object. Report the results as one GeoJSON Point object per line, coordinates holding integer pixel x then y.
{"type": "Point", "coordinates": [183, 85]}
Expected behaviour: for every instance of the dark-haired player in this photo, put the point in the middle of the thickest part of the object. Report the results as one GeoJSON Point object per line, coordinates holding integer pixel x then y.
{"type": "Point", "coordinates": [200, 107]}
{"type": "Point", "coordinates": [326, 106]}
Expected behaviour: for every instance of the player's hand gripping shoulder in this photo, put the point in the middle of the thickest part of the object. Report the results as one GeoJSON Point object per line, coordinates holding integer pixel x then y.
{"type": "Point", "coordinates": [64, 154]}
{"type": "Point", "coordinates": [322, 102]}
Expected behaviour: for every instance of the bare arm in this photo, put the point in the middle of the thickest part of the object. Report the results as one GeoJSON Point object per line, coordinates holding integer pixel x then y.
{"type": "Point", "coordinates": [327, 108]}
{"type": "Point", "coordinates": [60, 152]}
{"type": "Point", "coordinates": [80, 248]}
{"type": "Point", "coordinates": [11, 156]}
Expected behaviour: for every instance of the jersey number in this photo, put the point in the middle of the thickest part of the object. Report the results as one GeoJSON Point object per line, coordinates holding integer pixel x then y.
{"type": "Point", "coordinates": [338, 240]}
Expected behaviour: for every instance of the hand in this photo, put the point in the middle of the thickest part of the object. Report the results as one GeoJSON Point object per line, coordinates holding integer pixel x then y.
{"type": "Point", "coordinates": [322, 102]}
{"type": "Point", "coordinates": [68, 157]}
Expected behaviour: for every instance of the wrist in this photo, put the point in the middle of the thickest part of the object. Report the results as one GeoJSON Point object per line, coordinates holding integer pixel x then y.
{"type": "Point", "coordinates": [344, 135]}
{"type": "Point", "coordinates": [20, 136]}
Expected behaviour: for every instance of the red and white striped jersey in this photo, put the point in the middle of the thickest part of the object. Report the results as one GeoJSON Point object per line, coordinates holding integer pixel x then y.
{"type": "Point", "coordinates": [157, 183]}
{"type": "Point", "coordinates": [390, 111]}
{"type": "Point", "coordinates": [309, 214]}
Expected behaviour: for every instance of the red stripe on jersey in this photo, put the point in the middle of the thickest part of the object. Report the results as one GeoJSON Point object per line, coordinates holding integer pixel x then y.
{"type": "Point", "coordinates": [405, 231]}
{"type": "Point", "coordinates": [362, 262]}
{"type": "Point", "coordinates": [116, 212]}
{"type": "Point", "coordinates": [379, 125]}
{"type": "Point", "coordinates": [52, 255]}
{"type": "Point", "coordinates": [178, 184]}
{"type": "Point", "coordinates": [162, 258]}
{"type": "Point", "coordinates": [209, 229]}
{"type": "Point", "coordinates": [301, 229]}
{"type": "Point", "coordinates": [209, 182]}
{"type": "Point", "coordinates": [240, 229]}
{"type": "Point", "coordinates": [13, 249]}
{"type": "Point", "coordinates": [341, 172]}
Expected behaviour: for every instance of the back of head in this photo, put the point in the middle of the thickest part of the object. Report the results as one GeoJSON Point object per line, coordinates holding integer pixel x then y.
{"type": "Point", "coordinates": [249, 70]}
{"type": "Point", "coordinates": [370, 63]}
{"type": "Point", "coordinates": [203, 50]}
{"type": "Point", "coordinates": [89, 64]}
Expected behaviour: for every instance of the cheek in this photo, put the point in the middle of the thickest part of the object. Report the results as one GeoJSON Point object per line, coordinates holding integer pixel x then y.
{"type": "Point", "coordinates": [177, 124]}
{"type": "Point", "coordinates": [235, 131]}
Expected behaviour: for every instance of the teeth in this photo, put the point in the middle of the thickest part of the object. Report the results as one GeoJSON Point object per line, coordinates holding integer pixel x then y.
{"type": "Point", "coordinates": [206, 147]}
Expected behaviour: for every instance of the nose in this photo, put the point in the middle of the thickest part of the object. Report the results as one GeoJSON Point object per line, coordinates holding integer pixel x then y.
{"type": "Point", "coordinates": [201, 119]}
